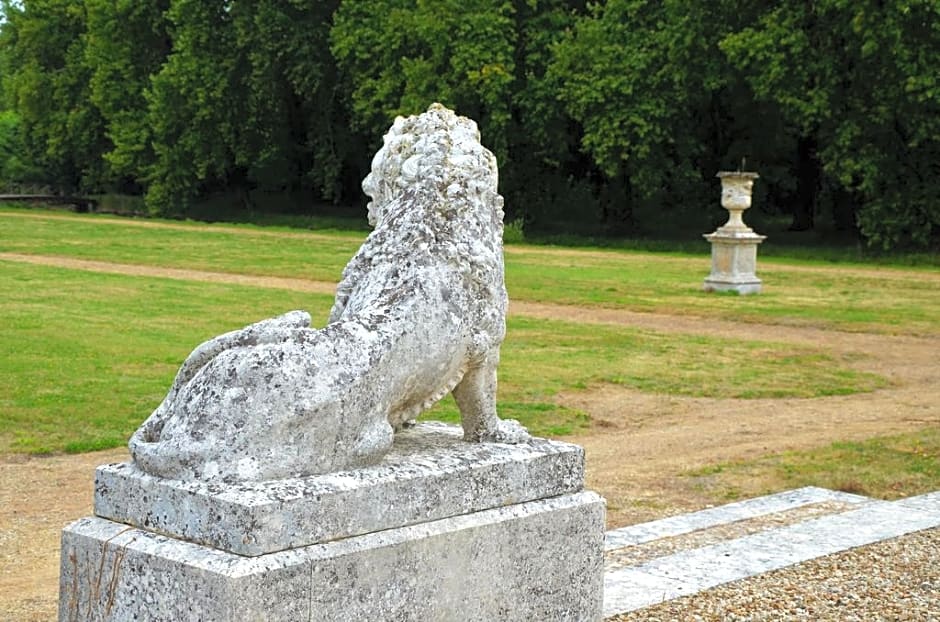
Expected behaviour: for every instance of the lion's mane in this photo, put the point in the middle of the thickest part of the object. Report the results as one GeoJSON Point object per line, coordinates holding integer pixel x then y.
{"type": "Point", "coordinates": [434, 193]}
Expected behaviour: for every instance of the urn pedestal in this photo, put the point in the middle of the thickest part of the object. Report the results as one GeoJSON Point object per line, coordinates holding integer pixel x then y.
{"type": "Point", "coordinates": [734, 244]}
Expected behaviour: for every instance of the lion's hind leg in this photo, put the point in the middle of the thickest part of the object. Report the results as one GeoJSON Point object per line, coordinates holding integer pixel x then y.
{"type": "Point", "coordinates": [475, 395]}
{"type": "Point", "coordinates": [372, 443]}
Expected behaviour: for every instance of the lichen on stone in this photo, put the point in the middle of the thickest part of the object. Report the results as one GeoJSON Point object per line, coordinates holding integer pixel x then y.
{"type": "Point", "coordinates": [420, 312]}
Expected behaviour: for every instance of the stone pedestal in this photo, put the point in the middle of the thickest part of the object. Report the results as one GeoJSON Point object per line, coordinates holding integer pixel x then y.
{"type": "Point", "coordinates": [734, 262]}
{"type": "Point", "coordinates": [734, 244]}
{"type": "Point", "coordinates": [440, 530]}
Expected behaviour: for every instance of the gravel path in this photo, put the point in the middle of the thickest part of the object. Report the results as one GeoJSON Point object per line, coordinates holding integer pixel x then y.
{"type": "Point", "coordinates": [895, 580]}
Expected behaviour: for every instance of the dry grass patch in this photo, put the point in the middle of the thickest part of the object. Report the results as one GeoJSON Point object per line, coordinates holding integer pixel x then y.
{"type": "Point", "coordinates": [889, 467]}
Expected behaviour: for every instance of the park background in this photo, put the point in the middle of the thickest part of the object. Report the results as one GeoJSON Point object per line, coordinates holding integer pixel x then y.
{"type": "Point", "coordinates": [609, 122]}
{"type": "Point", "coordinates": [608, 119]}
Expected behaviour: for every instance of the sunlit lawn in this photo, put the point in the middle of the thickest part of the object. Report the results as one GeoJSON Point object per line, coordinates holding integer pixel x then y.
{"type": "Point", "coordinates": [86, 356]}
{"type": "Point", "coordinates": [89, 355]}
{"type": "Point", "coordinates": [846, 296]}
{"type": "Point", "coordinates": [889, 468]}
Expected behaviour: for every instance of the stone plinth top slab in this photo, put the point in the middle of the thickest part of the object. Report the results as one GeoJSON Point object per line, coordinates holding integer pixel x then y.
{"type": "Point", "coordinates": [429, 474]}
{"type": "Point", "coordinates": [724, 235]}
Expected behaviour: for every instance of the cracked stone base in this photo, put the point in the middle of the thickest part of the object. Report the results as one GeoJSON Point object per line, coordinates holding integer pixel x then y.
{"type": "Point", "coordinates": [539, 560]}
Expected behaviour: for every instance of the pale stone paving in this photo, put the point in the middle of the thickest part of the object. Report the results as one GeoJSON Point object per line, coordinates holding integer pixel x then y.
{"type": "Point", "coordinates": [740, 510]}
{"type": "Point", "coordinates": [628, 588]}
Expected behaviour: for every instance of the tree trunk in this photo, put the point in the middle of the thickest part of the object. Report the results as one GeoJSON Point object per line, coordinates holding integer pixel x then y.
{"type": "Point", "coordinates": [808, 175]}
{"type": "Point", "coordinates": [617, 204]}
{"type": "Point", "coordinates": [843, 209]}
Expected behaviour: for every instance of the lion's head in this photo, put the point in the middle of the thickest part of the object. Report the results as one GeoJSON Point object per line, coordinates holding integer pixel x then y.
{"type": "Point", "coordinates": [434, 193]}
{"type": "Point", "coordinates": [437, 149]}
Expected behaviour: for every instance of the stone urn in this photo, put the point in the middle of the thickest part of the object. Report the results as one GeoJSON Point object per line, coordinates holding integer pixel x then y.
{"type": "Point", "coordinates": [736, 190]}
{"type": "Point", "coordinates": [734, 244]}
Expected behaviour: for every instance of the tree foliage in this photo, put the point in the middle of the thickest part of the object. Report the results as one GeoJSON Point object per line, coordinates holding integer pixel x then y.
{"type": "Point", "coordinates": [487, 59]}
{"type": "Point", "coordinates": [398, 56]}
{"type": "Point", "coordinates": [246, 99]}
{"type": "Point", "coordinates": [619, 53]}
{"type": "Point", "coordinates": [126, 42]}
{"type": "Point", "coordinates": [16, 171]}
{"type": "Point", "coordinates": [860, 78]}
{"type": "Point", "coordinates": [46, 82]}
{"type": "Point", "coordinates": [551, 178]}
{"type": "Point", "coordinates": [617, 113]}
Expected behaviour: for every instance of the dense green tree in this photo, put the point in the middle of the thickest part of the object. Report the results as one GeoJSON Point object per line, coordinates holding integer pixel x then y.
{"type": "Point", "coordinates": [247, 99]}
{"type": "Point", "coordinates": [16, 171]}
{"type": "Point", "coordinates": [126, 43]}
{"type": "Point", "coordinates": [298, 119]}
{"type": "Point", "coordinates": [488, 60]}
{"type": "Point", "coordinates": [618, 112]}
{"type": "Point", "coordinates": [547, 178]}
{"type": "Point", "coordinates": [46, 81]}
{"type": "Point", "coordinates": [659, 108]}
{"type": "Point", "coordinates": [196, 105]}
{"type": "Point", "coordinates": [858, 81]}
{"type": "Point", "coordinates": [400, 56]}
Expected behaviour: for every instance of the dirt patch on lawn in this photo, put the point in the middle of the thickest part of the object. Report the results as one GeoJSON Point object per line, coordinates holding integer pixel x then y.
{"type": "Point", "coordinates": [640, 444]}
{"type": "Point", "coordinates": [637, 449]}
{"type": "Point", "coordinates": [201, 276]}
{"type": "Point", "coordinates": [38, 497]}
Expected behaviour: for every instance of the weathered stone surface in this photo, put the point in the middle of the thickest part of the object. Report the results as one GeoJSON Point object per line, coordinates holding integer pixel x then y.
{"type": "Point", "coordinates": [736, 190]}
{"type": "Point", "coordinates": [420, 312]}
{"type": "Point", "coordinates": [268, 485]}
{"type": "Point", "coordinates": [539, 560]}
{"type": "Point", "coordinates": [429, 474]}
{"type": "Point", "coordinates": [734, 262]}
{"type": "Point", "coordinates": [734, 244]}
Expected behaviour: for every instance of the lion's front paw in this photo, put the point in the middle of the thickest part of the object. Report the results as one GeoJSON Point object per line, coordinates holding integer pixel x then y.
{"type": "Point", "coordinates": [506, 431]}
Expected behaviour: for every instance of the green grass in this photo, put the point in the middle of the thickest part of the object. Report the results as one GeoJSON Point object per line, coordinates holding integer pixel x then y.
{"type": "Point", "coordinates": [804, 246]}
{"type": "Point", "coordinates": [856, 297]}
{"type": "Point", "coordinates": [90, 355]}
{"type": "Point", "coordinates": [223, 248]}
{"type": "Point", "coordinates": [863, 299]}
{"type": "Point", "coordinates": [888, 467]}
{"type": "Point", "coordinates": [564, 356]}
{"type": "Point", "coordinates": [87, 356]}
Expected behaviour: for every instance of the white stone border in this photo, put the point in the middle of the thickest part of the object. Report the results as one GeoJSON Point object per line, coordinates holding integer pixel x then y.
{"type": "Point", "coordinates": [721, 515]}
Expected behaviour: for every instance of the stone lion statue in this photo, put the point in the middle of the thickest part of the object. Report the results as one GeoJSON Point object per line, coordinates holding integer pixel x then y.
{"type": "Point", "coordinates": [420, 312]}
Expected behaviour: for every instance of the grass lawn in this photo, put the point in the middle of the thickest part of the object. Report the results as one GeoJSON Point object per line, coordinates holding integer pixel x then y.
{"type": "Point", "coordinates": [242, 250]}
{"type": "Point", "coordinates": [87, 356]}
{"type": "Point", "coordinates": [889, 467]}
{"type": "Point", "coordinates": [854, 297]}
{"type": "Point", "coordinates": [93, 354]}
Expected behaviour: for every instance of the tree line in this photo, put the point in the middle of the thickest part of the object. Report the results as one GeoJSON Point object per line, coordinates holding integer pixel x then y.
{"type": "Point", "coordinates": [613, 113]}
